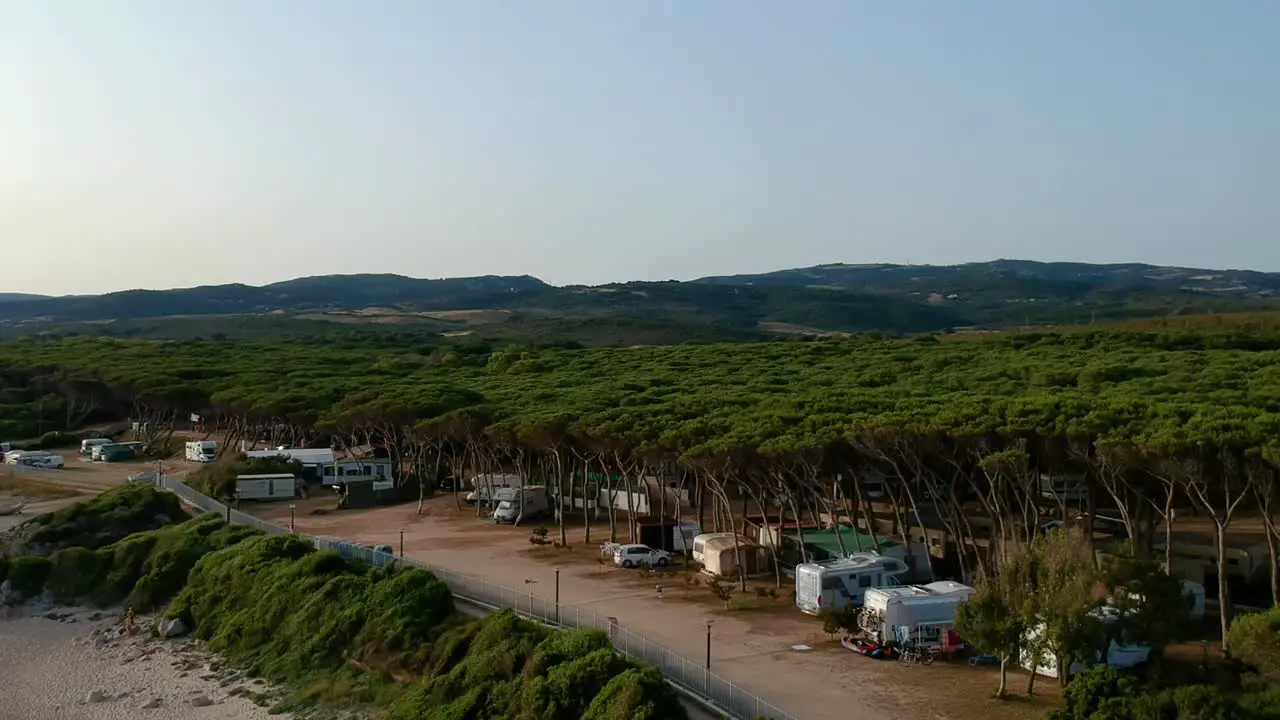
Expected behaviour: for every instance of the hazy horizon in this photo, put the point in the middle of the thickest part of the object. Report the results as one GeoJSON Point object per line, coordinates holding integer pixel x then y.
{"type": "Point", "coordinates": [585, 143]}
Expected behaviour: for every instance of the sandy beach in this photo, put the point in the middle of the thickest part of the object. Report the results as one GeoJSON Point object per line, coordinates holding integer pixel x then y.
{"type": "Point", "coordinates": [75, 665]}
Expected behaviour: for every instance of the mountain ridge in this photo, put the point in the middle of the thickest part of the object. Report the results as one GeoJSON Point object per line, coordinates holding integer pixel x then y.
{"type": "Point", "coordinates": [829, 298]}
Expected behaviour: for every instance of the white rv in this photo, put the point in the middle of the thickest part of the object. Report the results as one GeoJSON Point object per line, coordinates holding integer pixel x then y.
{"type": "Point", "coordinates": [87, 446]}
{"type": "Point", "coordinates": [266, 487]}
{"type": "Point", "coordinates": [832, 584]}
{"type": "Point", "coordinates": [24, 457]}
{"type": "Point", "coordinates": [486, 486]}
{"type": "Point", "coordinates": [919, 613]}
{"type": "Point", "coordinates": [517, 505]}
{"type": "Point", "coordinates": [202, 451]}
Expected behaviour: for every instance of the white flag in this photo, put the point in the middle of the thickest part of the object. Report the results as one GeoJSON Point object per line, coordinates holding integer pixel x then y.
{"type": "Point", "coordinates": [195, 417]}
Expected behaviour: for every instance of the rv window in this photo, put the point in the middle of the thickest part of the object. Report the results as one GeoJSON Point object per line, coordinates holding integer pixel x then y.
{"type": "Point", "coordinates": [353, 471]}
{"type": "Point", "coordinates": [328, 471]}
{"type": "Point", "coordinates": [830, 583]}
{"type": "Point", "coordinates": [864, 581]}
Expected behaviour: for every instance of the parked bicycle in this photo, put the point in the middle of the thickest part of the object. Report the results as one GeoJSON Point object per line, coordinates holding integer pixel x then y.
{"type": "Point", "coordinates": [917, 654]}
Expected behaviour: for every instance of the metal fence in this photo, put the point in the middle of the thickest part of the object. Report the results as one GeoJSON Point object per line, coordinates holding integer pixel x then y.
{"type": "Point", "coordinates": [691, 677]}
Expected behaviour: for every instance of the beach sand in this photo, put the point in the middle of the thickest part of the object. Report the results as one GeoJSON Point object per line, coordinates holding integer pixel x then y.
{"type": "Point", "coordinates": [73, 664]}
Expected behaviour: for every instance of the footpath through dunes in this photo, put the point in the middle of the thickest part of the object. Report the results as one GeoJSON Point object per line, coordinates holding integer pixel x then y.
{"type": "Point", "coordinates": [338, 635]}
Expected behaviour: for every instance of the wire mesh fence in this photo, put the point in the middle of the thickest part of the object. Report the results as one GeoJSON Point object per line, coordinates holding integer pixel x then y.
{"type": "Point", "coordinates": [694, 678]}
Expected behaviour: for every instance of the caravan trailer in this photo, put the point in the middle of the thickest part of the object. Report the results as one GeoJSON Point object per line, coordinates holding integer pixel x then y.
{"type": "Point", "coordinates": [87, 446]}
{"type": "Point", "coordinates": [923, 612]}
{"type": "Point", "coordinates": [832, 584]}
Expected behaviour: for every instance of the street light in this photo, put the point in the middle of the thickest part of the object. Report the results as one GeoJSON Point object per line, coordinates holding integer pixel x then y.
{"type": "Point", "coordinates": [708, 644]}
{"type": "Point", "coordinates": [292, 507]}
{"type": "Point", "coordinates": [557, 595]}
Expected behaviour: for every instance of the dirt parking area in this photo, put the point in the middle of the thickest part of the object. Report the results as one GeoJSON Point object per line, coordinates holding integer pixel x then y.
{"type": "Point", "coordinates": [752, 640]}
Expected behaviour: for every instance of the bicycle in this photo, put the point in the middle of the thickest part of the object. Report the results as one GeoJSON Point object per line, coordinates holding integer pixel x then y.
{"type": "Point", "coordinates": [916, 654]}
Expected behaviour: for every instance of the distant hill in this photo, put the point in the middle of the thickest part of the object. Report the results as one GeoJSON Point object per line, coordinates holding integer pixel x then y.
{"type": "Point", "coordinates": [807, 301]}
{"type": "Point", "coordinates": [19, 297]}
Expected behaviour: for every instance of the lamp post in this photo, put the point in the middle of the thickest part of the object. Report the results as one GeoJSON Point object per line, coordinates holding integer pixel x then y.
{"type": "Point", "coordinates": [292, 507]}
{"type": "Point", "coordinates": [708, 644]}
{"type": "Point", "coordinates": [557, 595]}
{"type": "Point", "coordinates": [401, 543]}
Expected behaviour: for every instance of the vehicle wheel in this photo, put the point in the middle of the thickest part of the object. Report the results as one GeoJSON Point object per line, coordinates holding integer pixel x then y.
{"type": "Point", "coordinates": [662, 562]}
{"type": "Point", "coordinates": [626, 563]}
{"type": "Point", "coordinates": [928, 657]}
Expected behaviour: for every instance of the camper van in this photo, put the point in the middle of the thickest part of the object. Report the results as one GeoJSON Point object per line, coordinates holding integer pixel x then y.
{"type": "Point", "coordinates": [202, 451]}
{"type": "Point", "coordinates": [87, 446]}
{"type": "Point", "coordinates": [41, 460]}
{"type": "Point", "coordinates": [513, 508]}
{"type": "Point", "coordinates": [919, 614]}
{"type": "Point", "coordinates": [24, 457]}
{"type": "Point", "coordinates": [832, 584]}
{"type": "Point", "coordinates": [488, 484]}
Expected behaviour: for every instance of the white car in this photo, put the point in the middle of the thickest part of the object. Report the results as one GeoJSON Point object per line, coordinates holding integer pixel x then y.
{"type": "Point", "coordinates": [640, 556]}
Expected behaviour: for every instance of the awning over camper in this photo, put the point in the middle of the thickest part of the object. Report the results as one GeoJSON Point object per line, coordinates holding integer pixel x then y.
{"type": "Point", "coordinates": [824, 541]}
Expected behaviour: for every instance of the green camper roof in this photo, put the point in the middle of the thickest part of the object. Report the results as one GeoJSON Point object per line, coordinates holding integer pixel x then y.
{"type": "Point", "coordinates": [824, 541]}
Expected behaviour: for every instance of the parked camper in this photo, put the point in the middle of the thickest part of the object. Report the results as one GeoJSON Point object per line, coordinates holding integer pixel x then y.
{"type": "Point", "coordinates": [1118, 656]}
{"type": "Point", "coordinates": [115, 452]}
{"type": "Point", "coordinates": [41, 460]}
{"type": "Point", "coordinates": [920, 614]}
{"type": "Point", "coordinates": [16, 457]}
{"type": "Point", "coordinates": [487, 485]}
{"type": "Point", "coordinates": [700, 544]}
{"type": "Point", "coordinates": [522, 504]}
{"type": "Point", "coordinates": [87, 446]}
{"type": "Point", "coordinates": [832, 584]}
{"type": "Point", "coordinates": [266, 487]}
{"type": "Point", "coordinates": [202, 451]}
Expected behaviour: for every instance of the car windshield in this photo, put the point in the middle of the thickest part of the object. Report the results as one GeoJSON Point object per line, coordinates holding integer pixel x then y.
{"type": "Point", "coordinates": [504, 505]}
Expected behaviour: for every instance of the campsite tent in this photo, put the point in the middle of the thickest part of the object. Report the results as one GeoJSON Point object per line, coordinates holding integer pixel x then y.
{"type": "Point", "coordinates": [720, 556]}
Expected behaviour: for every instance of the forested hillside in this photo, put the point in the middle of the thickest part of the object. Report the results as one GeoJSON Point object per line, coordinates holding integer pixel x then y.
{"type": "Point", "coordinates": [1155, 426]}
{"type": "Point", "coordinates": [829, 299]}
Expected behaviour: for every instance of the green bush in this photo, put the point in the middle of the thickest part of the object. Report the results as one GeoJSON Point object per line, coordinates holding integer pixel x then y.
{"type": "Point", "coordinates": [108, 518]}
{"type": "Point", "coordinates": [1255, 641]}
{"type": "Point", "coordinates": [505, 667]}
{"type": "Point", "coordinates": [51, 440]}
{"type": "Point", "coordinates": [27, 575]}
{"type": "Point", "coordinates": [146, 569]}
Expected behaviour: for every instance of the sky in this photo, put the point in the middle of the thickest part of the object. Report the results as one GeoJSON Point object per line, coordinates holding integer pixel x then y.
{"type": "Point", "coordinates": [152, 143]}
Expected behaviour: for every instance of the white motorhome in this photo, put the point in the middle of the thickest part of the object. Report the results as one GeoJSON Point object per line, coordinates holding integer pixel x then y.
{"type": "Point", "coordinates": [87, 446]}
{"type": "Point", "coordinates": [202, 451]}
{"type": "Point", "coordinates": [832, 584]}
{"type": "Point", "coordinates": [266, 487]}
{"type": "Point", "coordinates": [919, 613]}
{"type": "Point", "coordinates": [518, 505]}
{"type": "Point", "coordinates": [486, 485]}
{"type": "Point", "coordinates": [42, 460]}
{"type": "Point", "coordinates": [23, 456]}
{"type": "Point", "coordinates": [1118, 656]}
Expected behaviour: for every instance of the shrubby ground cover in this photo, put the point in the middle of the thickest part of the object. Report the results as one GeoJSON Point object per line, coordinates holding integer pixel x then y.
{"type": "Point", "coordinates": [337, 632]}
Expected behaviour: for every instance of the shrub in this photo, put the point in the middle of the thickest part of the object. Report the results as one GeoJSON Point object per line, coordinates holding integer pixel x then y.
{"type": "Point", "coordinates": [27, 575]}
{"type": "Point", "coordinates": [54, 439]}
{"type": "Point", "coordinates": [108, 518]}
{"type": "Point", "coordinates": [1255, 640]}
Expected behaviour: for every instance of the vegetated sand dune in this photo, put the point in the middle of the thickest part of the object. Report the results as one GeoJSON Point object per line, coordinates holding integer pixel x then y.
{"type": "Point", "coordinates": [76, 668]}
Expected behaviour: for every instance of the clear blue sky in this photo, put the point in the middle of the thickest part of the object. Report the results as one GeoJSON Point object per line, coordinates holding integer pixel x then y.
{"type": "Point", "coordinates": [162, 143]}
